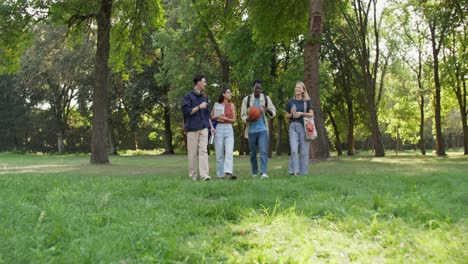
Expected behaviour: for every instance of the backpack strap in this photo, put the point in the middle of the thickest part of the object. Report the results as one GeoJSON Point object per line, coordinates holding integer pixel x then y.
{"type": "Point", "coordinates": [264, 96]}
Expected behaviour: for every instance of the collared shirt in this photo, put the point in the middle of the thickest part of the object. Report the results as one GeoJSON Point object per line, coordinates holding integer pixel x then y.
{"type": "Point", "coordinates": [200, 119]}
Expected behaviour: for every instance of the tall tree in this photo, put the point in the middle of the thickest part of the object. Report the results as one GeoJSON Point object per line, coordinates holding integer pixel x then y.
{"type": "Point", "coordinates": [343, 64]}
{"type": "Point", "coordinates": [215, 20]}
{"type": "Point", "coordinates": [416, 34]}
{"type": "Point", "coordinates": [287, 18]}
{"type": "Point", "coordinates": [400, 111]}
{"type": "Point", "coordinates": [369, 59]}
{"type": "Point", "coordinates": [57, 69]}
{"type": "Point", "coordinates": [12, 113]}
{"type": "Point", "coordinates": [130, 21]}
{"type": "Point", "coordinates": [100, 95]}
{"type": "Point", "coordinates": [455, 66]}
{"type": "Point", "coordinates": [318, 148]}
{"type": "Point", "coordinates": [437, 15]}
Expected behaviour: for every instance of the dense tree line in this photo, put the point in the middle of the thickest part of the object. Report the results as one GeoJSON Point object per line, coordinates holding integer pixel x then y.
{"type": "Point", "coordinates": [104, 76]}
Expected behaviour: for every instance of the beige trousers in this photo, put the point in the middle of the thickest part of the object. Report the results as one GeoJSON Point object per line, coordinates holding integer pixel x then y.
{"type": "Point", "coordinates": [197, 144]}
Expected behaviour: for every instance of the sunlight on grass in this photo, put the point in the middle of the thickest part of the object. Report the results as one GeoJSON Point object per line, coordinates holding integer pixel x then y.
{"type": "Point", "coordinates": [34, 168]}
{"type": "Point", "coordinates": [141, 152]}
{"type": "Point", "coordinates": [145, 209]}
{"type": "Point", "coordinates": [398, 161]}
{"type": "Point", "coordinates": [290, 237]}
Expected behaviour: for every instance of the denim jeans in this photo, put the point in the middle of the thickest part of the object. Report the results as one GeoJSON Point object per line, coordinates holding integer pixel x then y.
{"type": "Point", "coordinates": [258, 140]}
{"type": "Point", "coordinates": [224, 147]}
{"type": "Point", "coordinates": [299, 158]}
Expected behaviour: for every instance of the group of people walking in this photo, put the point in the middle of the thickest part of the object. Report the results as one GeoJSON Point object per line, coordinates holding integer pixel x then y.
{"type": "Point", "coordinates": [198, 120]}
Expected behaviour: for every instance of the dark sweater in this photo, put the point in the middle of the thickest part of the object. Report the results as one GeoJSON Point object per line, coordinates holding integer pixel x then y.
{"type": "Point", "coordinates": [199, 119]}
{"type": "Point", "coordinates": [299, 108]}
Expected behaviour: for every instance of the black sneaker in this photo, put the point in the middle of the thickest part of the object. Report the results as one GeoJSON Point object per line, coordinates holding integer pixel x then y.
{"type": "Point", "coordinates": [230, 176]}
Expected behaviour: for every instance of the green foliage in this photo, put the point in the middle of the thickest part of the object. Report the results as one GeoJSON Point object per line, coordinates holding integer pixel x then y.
{"type": "Point", "coordinates": [78, 137]}
{"type": "Point", "coordinates": [13, 113]}
{"type": "Point", "coordinates": [146, 209]}
{"type": "Point", "coordinates": [401, 114]}
{"type": "Point", "coordinates": [54, 71]}
{"type": "Point", "coordinates": [157, 47]}
{"type": "Point", "coordinates": [14, 35]}
{"type": "Point", "coordinates": [132, 23]}
{"type": "Point", "coordinates": [277, 21]}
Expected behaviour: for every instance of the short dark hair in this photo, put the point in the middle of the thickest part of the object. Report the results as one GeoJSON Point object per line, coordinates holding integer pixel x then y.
{"type": "Point", "coordinates": [257, 81]}
{"type": "Point", "coordinates": [198, 78]}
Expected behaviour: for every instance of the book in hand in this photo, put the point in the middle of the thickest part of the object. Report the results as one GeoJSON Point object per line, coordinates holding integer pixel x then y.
{"type": "Point", "coordinates": [218, 109]}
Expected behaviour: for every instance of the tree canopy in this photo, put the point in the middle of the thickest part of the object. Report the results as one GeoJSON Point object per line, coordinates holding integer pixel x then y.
{"type": "Point", "coordinates": [103, 76]}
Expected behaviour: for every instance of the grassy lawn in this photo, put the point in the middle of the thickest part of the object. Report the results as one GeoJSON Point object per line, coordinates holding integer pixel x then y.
{"type": "Point", "coordinates": [145, 209]}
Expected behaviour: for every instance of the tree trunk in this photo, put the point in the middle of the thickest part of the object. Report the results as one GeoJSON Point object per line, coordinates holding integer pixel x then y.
{"type": "Point", "coordinates": [16, 143]}
{"type": "Point", "coordinates": [337, 134]}
{"type": "Point", "coordinates": [422, 141]}
{"type": "Point", "coordinates": [274, 76]}
{"type": "Point", "coordinates": [465, 138]}
{"type": "Point", "coordinates": [26, 140]}
{"type": "Point", "coordinates": [244, 145]}
{"type": "Point", "coordinates": [370, 86]}
{"type": "Point", "coordinates": [270, 138]}
{"type": "Point", "coordinates": [169, 148]}
{"type": "Point", "coordinates": [59, 125]}
{"type": "Point", "coordinates": [463, 112]}
{"type": "Point", "coordinates": [60, 144]}
{"type": "Point", "coordinates": [397, 143]}
{"type": "Point", "coordinates": [369, 72]}
{"type": "Point", "coordinates": [135, 139]}
{"type": "Point", "coordinates": [99, 153]}
{"type": "Point", "coordinates": [372, 107]}
{"type": "Point", "coordinates": [57, 107]}
{"type": "Point", "coordinates": [351, 148]}
{"type": "Point", "coordinates": [279, 136]}
{"type": "Point", "coordinates": [281, 119]}
{"type": "Point", "coordinates": [465, 128]}
{"type": "Point", "coordinates": [440, 146]}
{"type": "Point", "coordinates": [112, 149]}
{"type": "Point", "coordinates": [319, 147]}
{"type": "Point", "coordinates": [222, 57]}
{"type": "Point", "coordinates": [422, 144]}
{"type": "Point", "coordinates": [225, 67]}
{"type": "Point", "coordinates": [462, 106]}
{"type": "Point", "coordinates": [376, 136]}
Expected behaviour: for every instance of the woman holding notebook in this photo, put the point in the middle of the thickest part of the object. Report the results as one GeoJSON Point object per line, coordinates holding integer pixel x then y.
{"type": "Point", "coordinates": [224, 112]}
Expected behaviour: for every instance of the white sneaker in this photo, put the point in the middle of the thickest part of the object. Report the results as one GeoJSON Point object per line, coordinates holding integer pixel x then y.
{"type": "Point", "coordinates": [207, 178]}
{"type": "Point", "coordinates": [264, 176]}
{"type": "Point", "coordinates": [254, 175]}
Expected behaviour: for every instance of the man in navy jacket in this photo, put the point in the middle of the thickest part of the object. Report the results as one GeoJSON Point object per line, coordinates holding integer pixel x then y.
{"type": "Point", "coordinates": [195, 107]}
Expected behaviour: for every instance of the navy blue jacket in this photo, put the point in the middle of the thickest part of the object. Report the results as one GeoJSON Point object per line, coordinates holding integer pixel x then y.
{"type": "Point", "coordinates": [198, 120]}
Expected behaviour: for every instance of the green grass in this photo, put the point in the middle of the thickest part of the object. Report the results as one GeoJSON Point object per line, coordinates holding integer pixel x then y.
{"type": "Point", "coordinates": [145, 209]}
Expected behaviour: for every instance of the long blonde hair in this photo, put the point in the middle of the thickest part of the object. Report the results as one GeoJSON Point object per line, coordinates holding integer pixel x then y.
{"type": "Point", "coordinates": [305, 95]}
